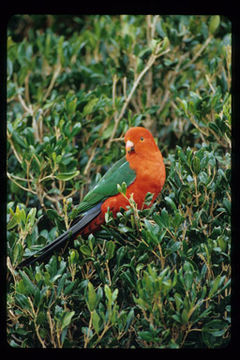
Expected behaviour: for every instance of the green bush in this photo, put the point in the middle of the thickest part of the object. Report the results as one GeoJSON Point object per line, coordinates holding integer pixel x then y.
{"type": "Point", "coordinates": [160, 277]}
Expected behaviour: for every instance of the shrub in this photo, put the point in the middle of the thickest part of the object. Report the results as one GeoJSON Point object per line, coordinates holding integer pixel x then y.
{"type": "Point", "coordinates": [160, 277]}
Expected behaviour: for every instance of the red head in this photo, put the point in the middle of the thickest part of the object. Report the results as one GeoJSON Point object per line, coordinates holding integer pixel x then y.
{"type": "Point", "coordinates": [140, 141]}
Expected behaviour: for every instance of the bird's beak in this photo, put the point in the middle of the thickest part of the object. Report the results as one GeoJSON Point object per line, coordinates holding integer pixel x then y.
{"type": "Point", "coordinates": [129, 146]}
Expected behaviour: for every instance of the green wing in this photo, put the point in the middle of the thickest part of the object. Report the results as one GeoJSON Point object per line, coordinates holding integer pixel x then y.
{"type": "Point", "coordinates": [107, 186]}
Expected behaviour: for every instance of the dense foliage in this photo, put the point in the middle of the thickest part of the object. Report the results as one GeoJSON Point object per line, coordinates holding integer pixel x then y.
{"type": "Point", "coordinates": [153, 278]}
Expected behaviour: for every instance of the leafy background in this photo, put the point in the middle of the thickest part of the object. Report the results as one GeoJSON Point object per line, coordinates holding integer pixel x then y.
{"type": "Point", "coordinates": [154, 278]}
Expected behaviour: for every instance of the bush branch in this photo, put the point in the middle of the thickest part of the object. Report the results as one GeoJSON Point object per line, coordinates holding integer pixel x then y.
{"type": "Point", "coordinates": [149, 64]}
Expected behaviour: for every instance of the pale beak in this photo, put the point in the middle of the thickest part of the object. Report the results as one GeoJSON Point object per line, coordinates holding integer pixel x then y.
{"type": "Point", "coordinates": [129, 146]}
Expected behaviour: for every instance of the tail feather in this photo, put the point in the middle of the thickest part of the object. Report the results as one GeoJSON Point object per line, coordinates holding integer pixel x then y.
{"type": "Point", "coordinates": [62, 239]}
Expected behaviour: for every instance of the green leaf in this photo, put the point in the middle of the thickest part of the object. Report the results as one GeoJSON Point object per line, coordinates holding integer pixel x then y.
{"type": "Point", "coordinates": [214, 286]}
{"type": "Point", "coordinates": [67, 319]}
{"type": "Point", "coordinates": [178, 301]}
{"type": "Point", "coordinates": [31, 217]}
{"type": "Point", "coordinates": [95, 321]}
{"type": "Point", "coordinates": [91, 297]}
{"type": "Point", "coordinates": [184, 316]}
{"type": "Point", "coordinates": [163, 219]}
{"type": "Point", "coordinates": [55, 217]}
{"type": "Point", "coordinates": [68, 289]}
{"type": "Point", "coordinates": [108, 293]}
{"type": "Point", "coordinates": [145, 53]}
{"type": "Point", "coordinates": [67, 175]}
{"type": "Point", "coordinates": [160, 27]}
{"type": "Point", "coordinates": [76, 129]}
{"type": "Point", "coordinates": [61, 284]}
{"type": "Point", "coordinates": [127, 276]}
{"type": "Point", "coordinates": [214, 23]}
{"type": "Point", "coordinates": [129, 320]}
{"type": "Point", "coordinates": [213, 331]}
{"type": "Point", "coordinates": [17, 250]}
{"type": "Point", "coordinates": [122, 188]}
{"type": "Point", "coordinates": [71, 107]}
{"type": "Point", "coordinates": [114, 295]}
{"type": "Point", "coordinates": [214, 127]}
{"type": "Point", "coordinates": [188, 277]}
{"type": "Point", "coordinates": [145, 335]}
{"type": "Point", "coordinates": [20, 215]}
{"type": "Point", "coordinates": [227, 205]}
{"type": "Point", "coordinates": [108, 131]}
{"type": "Point", "coordinates": [110, 247]}
{"type": "Point", "coordinates": [87, 331]}
{"type": "Point", "coordinates": [183, 105]}
{"type": "Point", "coordinates": [30, 287]}
{"type": "Point", "coordinates": [9, 67]}
{"type": "Point", "coordinates": [165, 44]}
{"type": "Point", "coordinates": [171, 203]}
{"type": "Point", "coordinates": [90, 106]}
{"type": "Point", "coordinates": [60, 48]}
{"type": "Point", "coordinates": [12, 222]}
{"type": "Point", "coordinates": [196, 165]}
{"type": "Point", "coordinates": [85, 250]}
{"type": "Point", "coordinates": [73, 257]}
{"type": "Point", "coordinates": [18, 139]}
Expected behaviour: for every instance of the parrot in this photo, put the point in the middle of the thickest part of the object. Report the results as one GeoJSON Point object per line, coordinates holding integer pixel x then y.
{"type": "Point", "coordinates": [143, 171]}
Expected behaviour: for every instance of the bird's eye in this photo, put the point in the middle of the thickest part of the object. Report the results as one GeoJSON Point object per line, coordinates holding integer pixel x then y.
{"type": "Point", "coordinates": [142, 138]}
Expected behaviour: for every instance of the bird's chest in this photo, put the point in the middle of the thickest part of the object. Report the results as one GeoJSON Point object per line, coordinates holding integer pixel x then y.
{"type": "Point", "coordinates": [148, 180]}
{"type": "Point", "coordinates": [150, 176]}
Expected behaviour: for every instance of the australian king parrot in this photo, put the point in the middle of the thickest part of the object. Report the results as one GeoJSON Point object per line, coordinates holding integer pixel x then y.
{"type": "Point", "coordinates": [143, 171]}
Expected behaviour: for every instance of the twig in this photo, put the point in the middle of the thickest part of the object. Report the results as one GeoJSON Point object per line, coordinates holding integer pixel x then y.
{"type": "Point", "coordinates": [108, 274]}
{"type": "Point", "coordinates": [35, 127]}
{"type": "Point", "coordinates": [164, 100]}
{"type": "Point", "coordinates": [169, 80]}
{"type": "Point", "coordinates": [201, 131]}
{"type": "Point", "coordinates": [209, 83]}
{"type": "Point", "coordinates": [150, 62]}
{"type": "Point", "coordinates": [27, 96]}
{"type": "Point", "coordinates": [22, 187]}
{"type": "Point", "coordinates": [54, 77]}
{"type": "Point", "coordinates": [115, 80]}
{"type": "Point", "coordinates": [106, 328]}
{"type": "Point", "coordinates": [198, 53]}
{"type": "Point", "coordinates": [148, 83]}
{"type": "Point", "coordinates": [34, 315]}
{"type": "Point", "coordinates": [89, 161]}
{"type": "Point", "coordinates": [26, 108]}
{"type": "Point", "coordinates": [155, 19]}
{"type": "Point", "coordinates": [17, 177]}
{"type": "Point", "coordinates": [51, 328]}
{"type": "Point", "coordinates": [149, 27]}
{"type": "Point", "coordinates": [117, 139]}
{"type": "Point", "coordinates": [125, 87]}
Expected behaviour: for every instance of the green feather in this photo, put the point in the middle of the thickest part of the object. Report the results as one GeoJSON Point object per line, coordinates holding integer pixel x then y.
{"type": "Point", "coordinates": [107, 186]}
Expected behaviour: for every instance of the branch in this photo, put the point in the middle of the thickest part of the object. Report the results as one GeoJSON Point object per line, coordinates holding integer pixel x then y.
{"type": "Point", "coordinates": [198, 53]}
{"type": "Point", "coordinates": [149, 64]}
{"type": "Point", "coordinates": [54, 78]}
{"type": "Point", "coordinates": [10, 176]}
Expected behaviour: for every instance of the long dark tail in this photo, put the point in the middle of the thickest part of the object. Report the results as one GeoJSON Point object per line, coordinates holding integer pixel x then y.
{"type": "Point", "coordinates": [62, 239]}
